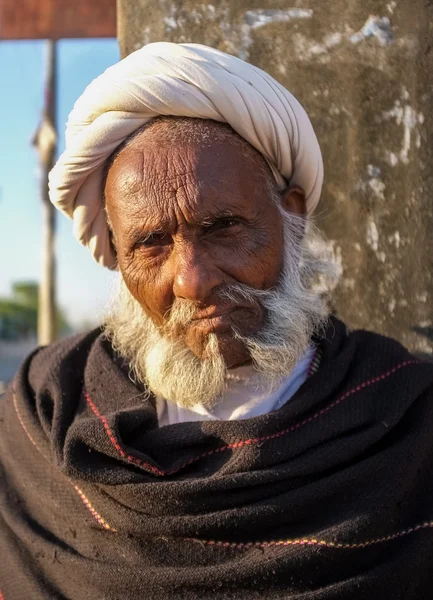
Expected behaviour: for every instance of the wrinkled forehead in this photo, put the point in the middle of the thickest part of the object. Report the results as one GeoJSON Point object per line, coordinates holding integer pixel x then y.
{"type": "Point", "coordinates": [150, 175]}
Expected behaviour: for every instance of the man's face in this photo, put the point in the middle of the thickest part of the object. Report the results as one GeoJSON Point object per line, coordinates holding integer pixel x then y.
{"type": "Point", "coordinates": [188, 221]}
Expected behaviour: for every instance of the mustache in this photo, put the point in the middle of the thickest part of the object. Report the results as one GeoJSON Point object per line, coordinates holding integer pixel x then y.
{"type": "Point", "coordinates": [224, 299]}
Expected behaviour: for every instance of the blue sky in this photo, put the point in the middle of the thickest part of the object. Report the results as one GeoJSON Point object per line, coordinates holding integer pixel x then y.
{"type": "Point", "coordinates": [83, 286]}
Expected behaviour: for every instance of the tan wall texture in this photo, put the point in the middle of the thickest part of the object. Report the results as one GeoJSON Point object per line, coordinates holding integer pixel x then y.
{"type": "Point", "coordinates": [364, 72]}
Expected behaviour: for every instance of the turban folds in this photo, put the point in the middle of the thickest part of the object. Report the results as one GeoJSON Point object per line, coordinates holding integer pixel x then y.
{"type": "Point", "coordinates": [187, 80]}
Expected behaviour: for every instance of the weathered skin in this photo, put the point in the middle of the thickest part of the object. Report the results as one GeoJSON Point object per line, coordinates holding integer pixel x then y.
{"type": "Point", "coordinates": [189, 219]}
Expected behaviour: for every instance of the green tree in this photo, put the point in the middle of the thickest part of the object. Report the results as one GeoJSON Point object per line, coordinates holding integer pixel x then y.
{"type": "Point", "coordinates": [26, 293]}
{"type": "Point", "coordinates": [19, 314]}
{"type": "Point", "coordinates": [17, 320]}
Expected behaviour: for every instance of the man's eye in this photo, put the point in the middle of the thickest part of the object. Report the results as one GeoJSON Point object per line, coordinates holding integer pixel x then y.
{"type": "Point", "coordinates": [153, 239]}
{"type": "Point", "coordinates": [230, 222]}
{"type": "Point", "coordinates": [224, 224]}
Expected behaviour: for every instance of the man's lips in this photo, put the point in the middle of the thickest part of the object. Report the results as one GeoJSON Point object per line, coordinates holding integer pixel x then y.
{"type": "Point", "coordinates": [214, 313]}
{"type": "Point", "coordinates": [214, 320]}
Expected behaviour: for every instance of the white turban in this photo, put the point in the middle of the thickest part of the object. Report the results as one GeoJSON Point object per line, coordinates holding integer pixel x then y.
{"type": "Point", "coordinates": [186, 80]}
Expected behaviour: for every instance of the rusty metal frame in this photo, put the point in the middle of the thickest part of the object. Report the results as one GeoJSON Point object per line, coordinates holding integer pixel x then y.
{"type": "Point", "coordinates": [55, 19]}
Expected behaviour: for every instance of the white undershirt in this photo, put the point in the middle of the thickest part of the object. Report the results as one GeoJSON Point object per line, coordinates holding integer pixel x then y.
{"type": "Point", "coordinates": [242, 399]}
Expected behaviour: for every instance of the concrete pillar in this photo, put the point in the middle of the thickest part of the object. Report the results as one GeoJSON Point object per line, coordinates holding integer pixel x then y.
{"type": "Point", "coordinates": [364, 72]}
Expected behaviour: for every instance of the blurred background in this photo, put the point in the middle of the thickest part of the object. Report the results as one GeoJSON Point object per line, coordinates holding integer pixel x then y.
{"type": "Point", "coordinates": [39, 77]}
{"type": "Point", "coordinates": [364, 73]}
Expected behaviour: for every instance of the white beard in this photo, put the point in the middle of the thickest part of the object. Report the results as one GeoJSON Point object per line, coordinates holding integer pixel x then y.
{"type": "Point", "coordinates": [294, 311]}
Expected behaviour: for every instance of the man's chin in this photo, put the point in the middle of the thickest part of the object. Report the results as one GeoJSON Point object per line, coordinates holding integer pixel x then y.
{"type": "Point", "coordinates": [232, 350]}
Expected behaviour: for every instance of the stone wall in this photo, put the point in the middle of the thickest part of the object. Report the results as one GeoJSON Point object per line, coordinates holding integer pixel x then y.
{"type": "Point", "coordinates": [364, 72]}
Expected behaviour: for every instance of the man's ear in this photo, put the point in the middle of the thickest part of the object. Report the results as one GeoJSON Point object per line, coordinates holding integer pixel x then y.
{"type": "Point", "coordinates": [293, 200]}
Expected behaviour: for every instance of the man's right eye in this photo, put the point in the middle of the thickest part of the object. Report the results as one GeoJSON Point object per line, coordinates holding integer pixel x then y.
{"type": "Point", "coordinates": [153, 239]}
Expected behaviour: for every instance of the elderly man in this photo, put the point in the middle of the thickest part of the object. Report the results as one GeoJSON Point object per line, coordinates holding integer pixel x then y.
{"type": "Point", "coordinates": [224, 436]}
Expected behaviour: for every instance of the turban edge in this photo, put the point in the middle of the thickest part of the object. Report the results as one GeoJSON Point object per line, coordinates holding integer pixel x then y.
{"type": "Point", "coordinates": [187, 80]}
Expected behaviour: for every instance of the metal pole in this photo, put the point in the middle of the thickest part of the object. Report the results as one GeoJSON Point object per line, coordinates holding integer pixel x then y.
{"type": "Point", "coordinates": [45, 142]}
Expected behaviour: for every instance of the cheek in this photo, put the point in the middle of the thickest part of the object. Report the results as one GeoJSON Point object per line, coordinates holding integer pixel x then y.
{"type": "Point", "coordinates": [274, 261]}
{"type": "Point", "coordinates": [256, 260]}
{"type": "Point", "coordinates": [150, 287]}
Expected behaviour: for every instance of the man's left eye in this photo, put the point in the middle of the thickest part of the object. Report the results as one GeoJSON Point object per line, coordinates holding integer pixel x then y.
{"type": "Point", "coordinates": [224, 224]}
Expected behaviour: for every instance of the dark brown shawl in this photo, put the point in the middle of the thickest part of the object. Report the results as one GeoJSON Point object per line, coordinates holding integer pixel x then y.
{"type": "Point", "coordinates": [329, 497]}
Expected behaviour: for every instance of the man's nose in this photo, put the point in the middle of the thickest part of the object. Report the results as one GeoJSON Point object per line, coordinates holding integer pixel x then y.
{"type": "Point", "coordinates": [195, 274]}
